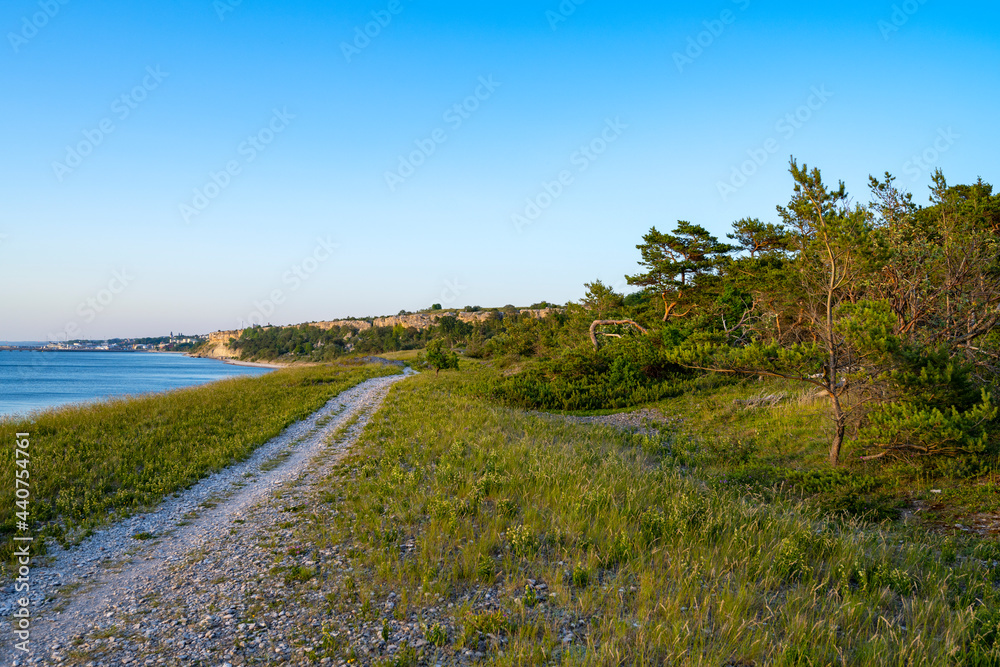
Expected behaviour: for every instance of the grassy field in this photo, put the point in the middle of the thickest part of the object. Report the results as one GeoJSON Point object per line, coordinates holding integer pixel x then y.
{"type": "Point", "coordinates": [538, 541]}
{"type": "Point", "coordinates": [402, 355]}
{"type": "Point", "coordinates": [775, 434]}
{"type": "Point", "coordinates": [92, 464]}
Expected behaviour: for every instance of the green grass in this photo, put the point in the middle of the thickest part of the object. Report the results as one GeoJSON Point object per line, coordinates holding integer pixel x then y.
{"type": "Point", "coordinates": [401, 355]}
{"type": "Point", "coordinates": [785, 446]}
{"type": "Point", "coordinates": [91, 464]}
{"type": "Point", "coordinates": [642, 562]}
{"type": "Point", "coordinates": [794, 432]}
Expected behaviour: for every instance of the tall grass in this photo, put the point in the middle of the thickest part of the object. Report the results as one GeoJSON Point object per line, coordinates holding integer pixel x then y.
{"type": "Point", "coordinates": [92, 463]}
{"type": "Point", "coordinates": [777, 433]}
{"type": "Point", "coordinates": [643, 563]}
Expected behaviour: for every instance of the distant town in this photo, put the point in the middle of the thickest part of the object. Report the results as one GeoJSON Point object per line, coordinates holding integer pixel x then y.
{"type": "Point", "coordinates": [171, 343]}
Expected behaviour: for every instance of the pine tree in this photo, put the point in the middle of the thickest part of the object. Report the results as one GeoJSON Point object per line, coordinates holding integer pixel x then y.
{"type": "Point", "coordinates": [439, 358]}
{"type": "Point", "coordinates": [674, 262]}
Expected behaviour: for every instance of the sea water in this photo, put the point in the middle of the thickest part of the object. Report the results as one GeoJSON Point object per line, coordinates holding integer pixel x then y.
{"type": "Point", "coordinates": [39, 380]}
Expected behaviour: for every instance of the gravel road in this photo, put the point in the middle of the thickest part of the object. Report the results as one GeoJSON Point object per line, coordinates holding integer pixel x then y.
{"type": "Point", "coordinates": [142, 592]}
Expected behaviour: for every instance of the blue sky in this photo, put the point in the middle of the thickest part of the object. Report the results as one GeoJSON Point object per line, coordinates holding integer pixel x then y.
{"type": "Point", "coordinates": [192, 165]}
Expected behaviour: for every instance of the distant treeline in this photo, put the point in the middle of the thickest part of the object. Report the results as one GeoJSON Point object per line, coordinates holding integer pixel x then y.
{"type": "Point", "coordinates": [310, 343]}
{"type": "Point", "coordinates": [306, 342]}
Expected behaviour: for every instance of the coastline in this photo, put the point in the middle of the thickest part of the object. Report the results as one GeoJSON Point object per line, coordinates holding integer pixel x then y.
{"type": "Point", "coordinates": [119, 375]}
{"type": "Point", "coordinates": [256, 364]}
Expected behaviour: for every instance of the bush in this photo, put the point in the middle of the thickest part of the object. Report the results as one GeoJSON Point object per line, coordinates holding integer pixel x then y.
{"type": "Point", "coordinates": [440, 359]}
{"type": "Point", "coordinates": [522, 541]}
{"type": "Point", "coordinates": [626, 373]}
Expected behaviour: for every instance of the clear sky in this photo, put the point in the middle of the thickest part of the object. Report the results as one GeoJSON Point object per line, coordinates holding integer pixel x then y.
{"type": "Point", "coordinates": [192, 165]}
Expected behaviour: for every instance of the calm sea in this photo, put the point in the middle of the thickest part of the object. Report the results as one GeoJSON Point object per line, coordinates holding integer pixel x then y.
{"type": "Point", "coordinates": [39, 380]}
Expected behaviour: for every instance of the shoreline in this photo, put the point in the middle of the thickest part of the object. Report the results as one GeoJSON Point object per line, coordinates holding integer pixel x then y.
{"type": "Point", "coordinates": [236, 362]}
{"type": "Point", "coordinates": [233, 362]}
{"type": "Point", "coordinates": [77, 402]}
{"type": "Point", "coordinates": [255, 364]}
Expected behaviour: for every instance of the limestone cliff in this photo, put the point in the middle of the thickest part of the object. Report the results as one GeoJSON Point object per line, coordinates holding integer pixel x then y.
{"type": "Point", "coordinates": [425, 320]}
{"type": "Point", "coordinates": [217, 346]}
{"type": "Point", "coordinates": [358, 325]}
{"type": "Point", "coordinates": [218, 341]}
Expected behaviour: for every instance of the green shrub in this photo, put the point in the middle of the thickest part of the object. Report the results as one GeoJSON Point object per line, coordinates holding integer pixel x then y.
{"type": "Point", "coordinates": [485, 568]}
{"type": "Point", "coordinates": [491, 623]}
{"type": "Point", "coordinates": [523, 542]}
{"type": "Point", "coordinates": [507, 508]}
{"type": "Point", "coordinates": [580, 576]}
{"type": "Point", "coordinates": [623, 373]}
{"type": "Point", "coordinates": [652, 526]}
{"type": "Point", "coordinates": [436, 635]}
{"type": "Point", "coordinates": [982, 645]}
{"type": "Point", "coordinates": [619, 550]}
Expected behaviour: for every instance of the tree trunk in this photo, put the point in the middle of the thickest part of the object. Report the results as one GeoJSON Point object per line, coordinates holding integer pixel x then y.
{"type": "Point", "coordinates": [839, 425]}
{"type": "Point", "coordinates": [668, 308]}
{"type": "Point", "coordinates": [839, 418]}
{"type": "Point", "coordinates": [596, 323]}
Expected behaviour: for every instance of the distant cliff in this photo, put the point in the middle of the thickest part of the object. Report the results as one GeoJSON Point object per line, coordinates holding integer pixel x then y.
{"type": "Point", "coordinates": [425, 320]}
{"type": "Point", "coordinates": [217, 346]}
{"type": "Point", "coordinates": [218, 341]}
{"type": "Point", "coordinates": [357, 325]}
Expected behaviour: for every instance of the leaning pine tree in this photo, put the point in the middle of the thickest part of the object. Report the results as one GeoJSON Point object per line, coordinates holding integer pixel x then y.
{"type": "Point", "coordinates": [826, 237]}
{"type": "Point", "coordinates": [675, 262]}
{"type": "Point", "coordinates": [895, 311]}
